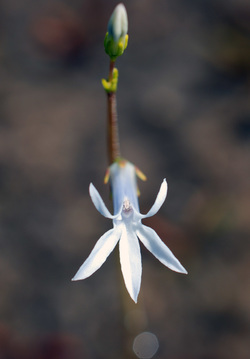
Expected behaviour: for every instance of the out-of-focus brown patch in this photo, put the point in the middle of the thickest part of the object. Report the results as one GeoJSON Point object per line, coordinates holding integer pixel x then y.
{"type": "Point", "coordinates": [59, 32]}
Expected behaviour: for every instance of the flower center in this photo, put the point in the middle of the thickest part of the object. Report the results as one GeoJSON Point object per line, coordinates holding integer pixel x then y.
{"type": "Point", "coordinates": [127, 208]}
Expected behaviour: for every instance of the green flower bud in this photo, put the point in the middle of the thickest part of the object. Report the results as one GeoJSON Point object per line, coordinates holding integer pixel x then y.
{"type": "Point", "coordinates": [116, 38]}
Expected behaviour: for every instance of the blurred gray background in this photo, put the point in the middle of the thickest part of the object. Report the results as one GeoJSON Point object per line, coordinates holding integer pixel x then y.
{"type": "Point", "coordinates": [184, 112]}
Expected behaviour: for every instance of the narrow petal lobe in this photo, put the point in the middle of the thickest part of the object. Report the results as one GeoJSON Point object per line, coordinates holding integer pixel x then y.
{"type": "Point", "coordinates": [161, 196]}
{"type": "Point", "coordinates": [104, 246]}
{"type": "Point", "coordinates": [130, 257]}
{"type": "Point", "coordinates": [98, 202]}
{"type": "Point", "coordinates": [158, 248]}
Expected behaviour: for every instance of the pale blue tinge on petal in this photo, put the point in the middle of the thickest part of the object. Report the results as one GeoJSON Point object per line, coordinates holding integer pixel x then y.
{"type": "Point", "coordinates": [98, 202]}
{"type": "Point", "coordinates": [118, 23]}
{"type": "Point", "coordinates": [158, 248]}
{"type": "Point", "coordinates": [130, 257]}
{"type": "Point", "coordinates": [123, 184]}
{"type": "Point", "coordinates": [104, 246]}
{"type": "Point", "coordinates": [161, 196]}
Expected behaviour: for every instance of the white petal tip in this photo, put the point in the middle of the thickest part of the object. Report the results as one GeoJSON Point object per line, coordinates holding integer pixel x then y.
{"type": "Point", "coordinates": [91, 186]}
{"type": "Point", "coordinates": [91, 189]}
{"type": "Point", "coordinates": [181, 270]}
{"type": "Point", "coordinates": [165, 185]}
{"type": "Point", "coordinates": [79, 276]}
{"type": "Point", "coordinates": [134, 298]}
{"type": "Point", "coordinates": [75, 278]}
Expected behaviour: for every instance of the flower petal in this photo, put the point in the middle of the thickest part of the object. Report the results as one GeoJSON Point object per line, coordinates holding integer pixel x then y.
{"type": "Point", "coordinates": [161, 196]}
{"type": "Point", "coordinates": [130, 257]}
{"type": "Point", "coordinates": [98, 202]}
{"type": "Point", "coordinates": [158, 248]}
{"type": "Point", "coordinates": [104, 246]}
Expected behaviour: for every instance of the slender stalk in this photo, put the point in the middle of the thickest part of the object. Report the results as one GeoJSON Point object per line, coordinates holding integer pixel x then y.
{"type": "Point", "coordinates": [111, 68]}
{"type": "Point", "coordinates": [130, 326]}
{"type": "Point", "coordinates": [113, 137]}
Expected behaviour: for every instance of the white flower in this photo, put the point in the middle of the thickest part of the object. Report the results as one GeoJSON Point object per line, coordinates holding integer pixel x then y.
{"type": "Point", "coordinates": [127, 229]}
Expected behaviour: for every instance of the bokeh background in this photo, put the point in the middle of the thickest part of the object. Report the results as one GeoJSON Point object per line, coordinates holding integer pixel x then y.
{"type": "Point", "coordinates": [184, 110]}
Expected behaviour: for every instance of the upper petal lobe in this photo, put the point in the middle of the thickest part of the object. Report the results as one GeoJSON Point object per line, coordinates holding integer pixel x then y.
{"type": "Point", "coordinates": [161, 196]}
{"type": "Point", "coordinates": [98, 202]}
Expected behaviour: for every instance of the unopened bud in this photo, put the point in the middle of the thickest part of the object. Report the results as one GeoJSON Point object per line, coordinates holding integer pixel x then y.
{"type": "Point", "coordinates": [116, 39]}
